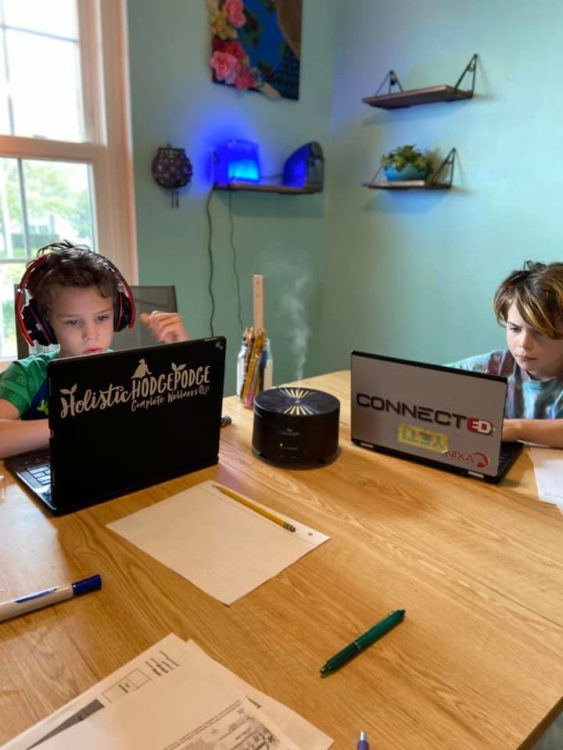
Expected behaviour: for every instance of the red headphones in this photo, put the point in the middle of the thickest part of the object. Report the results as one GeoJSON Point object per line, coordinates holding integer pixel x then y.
{"type": "Point", "coordinates": [34, 326]}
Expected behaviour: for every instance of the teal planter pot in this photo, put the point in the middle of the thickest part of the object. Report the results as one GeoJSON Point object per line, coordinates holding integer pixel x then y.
{"type": "Point", "coordinates": [407, 173]}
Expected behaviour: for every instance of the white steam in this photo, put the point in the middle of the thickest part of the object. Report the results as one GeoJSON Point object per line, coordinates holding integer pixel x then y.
{"type": "Point", "coordinates": [293, 311]}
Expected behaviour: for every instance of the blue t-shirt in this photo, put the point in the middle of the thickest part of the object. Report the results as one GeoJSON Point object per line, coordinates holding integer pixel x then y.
{"type": "Point", "coordinates": [526, 398]}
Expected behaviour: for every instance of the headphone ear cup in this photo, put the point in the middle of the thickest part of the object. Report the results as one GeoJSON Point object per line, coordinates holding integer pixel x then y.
{"type": "Point", "coordinates": [49, 332]}
{"type": "Point", "coordinates": [124, 315]}
{"type": "Point", "coordinates": [38, 328]}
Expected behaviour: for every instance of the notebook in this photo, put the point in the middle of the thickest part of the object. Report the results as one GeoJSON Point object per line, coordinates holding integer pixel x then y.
{"type": "Point", "coordinates": [433, 414]}
{"type": "Point", "coordinates": [125, 420]}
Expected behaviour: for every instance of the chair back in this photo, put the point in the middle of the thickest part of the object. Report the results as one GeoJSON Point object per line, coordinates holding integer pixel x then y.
{"type": "Point", "coordinates": [147, 299]}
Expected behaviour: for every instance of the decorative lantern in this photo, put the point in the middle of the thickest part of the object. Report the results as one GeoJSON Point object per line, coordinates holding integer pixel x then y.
{"type": "Point", "coordinates": [171, 169]}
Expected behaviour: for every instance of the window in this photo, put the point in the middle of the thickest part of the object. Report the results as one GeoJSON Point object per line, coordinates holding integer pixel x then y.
{"type": "Point", "coordinates": [65, 157]}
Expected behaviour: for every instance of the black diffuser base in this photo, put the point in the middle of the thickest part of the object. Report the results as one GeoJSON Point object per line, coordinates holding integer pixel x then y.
{"type": "Point", "coordinates": [296, 426]}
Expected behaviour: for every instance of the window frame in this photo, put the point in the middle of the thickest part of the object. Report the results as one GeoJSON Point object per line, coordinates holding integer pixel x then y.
{"type": "Point", "coordinates": [108, 145]}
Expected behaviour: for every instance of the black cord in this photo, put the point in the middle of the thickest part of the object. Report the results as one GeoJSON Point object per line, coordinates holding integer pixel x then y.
{"type": "Point", "coordinates": [234, 252]}
{"type": "Point", "coordinates": [210, 254]}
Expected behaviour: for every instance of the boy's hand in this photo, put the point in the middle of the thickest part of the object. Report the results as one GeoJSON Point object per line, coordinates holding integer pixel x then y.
{"type": "Point", "coordinates": [166, 327]}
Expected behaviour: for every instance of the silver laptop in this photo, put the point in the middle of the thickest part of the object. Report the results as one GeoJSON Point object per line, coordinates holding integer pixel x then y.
{"type": "Point", "coordinates": [436, 415]}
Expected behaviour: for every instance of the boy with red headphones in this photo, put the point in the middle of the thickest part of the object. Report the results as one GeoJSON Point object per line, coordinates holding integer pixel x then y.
{"type": "Point", "coordinates": [77, 299]}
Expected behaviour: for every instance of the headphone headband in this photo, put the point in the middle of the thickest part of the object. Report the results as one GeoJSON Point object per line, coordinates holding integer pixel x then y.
{"type": "Point", "coordinates": [33, 325]}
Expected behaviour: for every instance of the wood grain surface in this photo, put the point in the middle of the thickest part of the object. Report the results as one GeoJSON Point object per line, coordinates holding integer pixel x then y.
{"type": "Point", "coordinates": [477, 662]}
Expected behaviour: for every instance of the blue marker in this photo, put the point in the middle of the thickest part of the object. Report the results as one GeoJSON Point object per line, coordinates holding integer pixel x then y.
{"type": "Point", "coordinates": [363, 743]}
{"type": "Point", "coordinates": [54, 595]}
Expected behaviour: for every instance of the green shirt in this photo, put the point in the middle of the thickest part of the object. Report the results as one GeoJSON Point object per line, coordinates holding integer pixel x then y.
{"type": "Point", "coordinates": [24, 384]}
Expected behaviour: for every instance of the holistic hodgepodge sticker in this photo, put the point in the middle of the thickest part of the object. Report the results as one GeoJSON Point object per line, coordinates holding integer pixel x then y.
{"type": "Point", "coordinates": [146, 390]}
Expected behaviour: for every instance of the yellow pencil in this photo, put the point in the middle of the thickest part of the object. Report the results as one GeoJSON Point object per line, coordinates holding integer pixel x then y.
{"type": "Point", "coordinates": [256, 508]}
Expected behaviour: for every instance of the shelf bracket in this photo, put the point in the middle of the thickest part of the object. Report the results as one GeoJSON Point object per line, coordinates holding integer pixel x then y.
{"type": "Point", "coordinates": [376, 175]}
{"type": "Point", "coordinates": [392, 79]}
{"type": "Point", "coordinates": [471, 67]}
{"type": "Point", "coordinates": [445, 173]}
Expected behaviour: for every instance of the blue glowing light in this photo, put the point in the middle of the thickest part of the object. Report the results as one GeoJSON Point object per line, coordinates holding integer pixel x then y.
{"type": "Point", "coordinates": [243, 169]}
{"type": "Point", "coordinates": [237, 161]}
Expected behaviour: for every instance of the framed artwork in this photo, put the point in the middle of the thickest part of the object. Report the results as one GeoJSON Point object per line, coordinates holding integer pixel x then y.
{"type": "Point", "coordinates": [256, 45]}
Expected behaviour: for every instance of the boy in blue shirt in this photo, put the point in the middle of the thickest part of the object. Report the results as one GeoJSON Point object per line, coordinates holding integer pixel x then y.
{"type": "Point", "coordinates": [78, 299]}
{"type": "Point", "coordinates": [529, 303]}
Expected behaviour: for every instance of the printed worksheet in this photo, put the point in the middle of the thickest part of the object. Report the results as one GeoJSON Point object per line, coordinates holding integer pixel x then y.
{"type": "Point", "coordinates": [158, 665]}
{"type": "Point", "coordinates": [176, 714]}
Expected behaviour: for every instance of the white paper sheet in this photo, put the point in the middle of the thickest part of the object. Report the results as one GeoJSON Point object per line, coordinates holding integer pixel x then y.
{"type": "Point", "coordinates": [157, 665]}
{"type": "Point", "coordinates": [220, 545]}
{"type": "Point", "coordinates": [548, 468]}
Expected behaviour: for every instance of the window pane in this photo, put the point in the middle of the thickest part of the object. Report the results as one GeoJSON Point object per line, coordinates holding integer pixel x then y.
{"type": "Point", "coordinates": [12, 242]}
{"type": "Point", "coordinates": [42, 91]}
{"type": "Point", "coordinates": [58, 205]}
{"type": "Point", "coordinates": [4, 114]}
{"type": "Point", "coordinates": [59, 202]}
{"type": "Point", "coordinates": [45, 85]}
{"type": "Point", "coordinates": [47, 16]}
{"type": "Point", "coordinates": [10, 274]}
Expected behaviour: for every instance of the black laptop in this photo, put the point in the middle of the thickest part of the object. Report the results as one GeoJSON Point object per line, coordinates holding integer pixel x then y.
{"type": "Point", "coordinates": [125, 420]}
{"type": "Point", "coordinates": [436, 415]}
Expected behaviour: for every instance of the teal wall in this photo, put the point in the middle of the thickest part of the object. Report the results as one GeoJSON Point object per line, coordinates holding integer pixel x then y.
{"type": "Point", "coordinates": [281, 237]}
{"type": "Point", "coordinates": [412, 274]}
{"type": "Point", "coordinates": [408, 274]}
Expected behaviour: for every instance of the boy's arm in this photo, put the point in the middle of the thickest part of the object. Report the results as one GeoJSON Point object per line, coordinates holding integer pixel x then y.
{"type": "Point", "coordinates": [167, 328]}
{"type": "Point", "coordinates": [542, 431]}
{"type": "Point", "coordinates": [17, 436]}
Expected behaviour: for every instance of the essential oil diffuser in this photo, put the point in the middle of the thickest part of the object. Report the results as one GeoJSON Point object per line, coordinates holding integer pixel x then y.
{"type": "Point", "coordinates": [296, 426]}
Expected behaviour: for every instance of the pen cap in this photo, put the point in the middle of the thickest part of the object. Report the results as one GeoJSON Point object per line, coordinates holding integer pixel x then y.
{"type": "Point", "coordinates": [86, 585]}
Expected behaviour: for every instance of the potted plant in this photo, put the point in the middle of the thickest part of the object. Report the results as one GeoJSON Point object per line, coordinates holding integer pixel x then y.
{"type": "Point", "coordinates": [406, 163]}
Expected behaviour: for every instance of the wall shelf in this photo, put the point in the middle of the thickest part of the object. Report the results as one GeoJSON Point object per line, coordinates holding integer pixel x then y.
{"type": "Point", "coordinates": [395, 99]}
{"type": "Point", "coordinates": [441, 179]}
{"type": "Point", "coordinates": [265, 188]}
{"type": "Point", "coordinates": [406, 185]}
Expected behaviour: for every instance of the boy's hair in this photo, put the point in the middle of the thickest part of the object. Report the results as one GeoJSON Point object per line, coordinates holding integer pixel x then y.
{"type": "Point", "coordinates": [537, 292]}
{"type": "Point", "coordinates": [69, 265]}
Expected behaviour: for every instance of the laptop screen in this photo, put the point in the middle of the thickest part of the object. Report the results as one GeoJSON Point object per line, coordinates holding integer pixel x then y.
{"type": "Point", "coordinates": [438, 414]}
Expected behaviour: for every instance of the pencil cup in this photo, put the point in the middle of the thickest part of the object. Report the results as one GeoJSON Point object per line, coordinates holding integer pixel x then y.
{"type": "Point", "coordinates": [254, 371]}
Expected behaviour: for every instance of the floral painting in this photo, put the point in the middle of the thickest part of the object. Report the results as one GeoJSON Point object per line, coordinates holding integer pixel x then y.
{"type": "Point", "coordinates": [256, 45]}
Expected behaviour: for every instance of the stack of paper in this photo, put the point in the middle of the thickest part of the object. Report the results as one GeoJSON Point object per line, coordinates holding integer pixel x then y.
{"type": "Point", "coordinates": [173, 696]}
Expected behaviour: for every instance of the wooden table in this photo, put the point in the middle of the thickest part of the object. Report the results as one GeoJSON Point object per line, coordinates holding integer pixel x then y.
{"type": "Point", "coordinates": [477, 662]}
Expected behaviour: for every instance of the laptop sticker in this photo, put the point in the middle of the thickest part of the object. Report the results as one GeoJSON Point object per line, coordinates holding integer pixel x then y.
{"type": "Point", "coordinates": [420, 437]}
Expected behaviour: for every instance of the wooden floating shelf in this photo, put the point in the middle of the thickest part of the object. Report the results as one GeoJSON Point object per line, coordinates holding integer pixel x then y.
{"type": "Point", "coordinates": [265, 188]}
{"type": "Point", "coordinates": [429, 95]}
{"type": "Point", "coordinates": [396, 97]}
{"type": "Point", "coordinates": [407, 185]}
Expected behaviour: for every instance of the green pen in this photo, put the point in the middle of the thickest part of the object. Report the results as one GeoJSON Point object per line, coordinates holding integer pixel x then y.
{"type": "Point", "coordinates": [361, 643]}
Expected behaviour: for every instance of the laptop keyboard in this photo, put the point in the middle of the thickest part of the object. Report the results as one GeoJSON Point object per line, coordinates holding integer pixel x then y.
{"type": "Point", "coordinates": [39, 469]}
{"type": "Point", "coordinates": [41, 473]}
